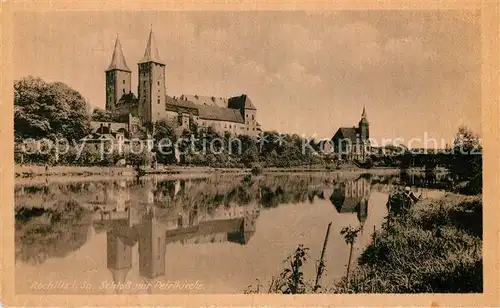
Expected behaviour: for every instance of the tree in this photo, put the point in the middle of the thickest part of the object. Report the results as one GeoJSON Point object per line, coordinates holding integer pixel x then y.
{"type": "Point", "coordinates": [49, 110]}
{"type": "Point", "coordinates": [250, 156]}
{"type": "Point", "coordinates": [140, 159]}
{"type": "Point", "coordinates": [467, 163]}
{"type": "Point", "coordinates": [165, 138]}
{"type": "Point", "coordinates": [101, 115]}
{"type": "Point", "coordinates": [466, 141]}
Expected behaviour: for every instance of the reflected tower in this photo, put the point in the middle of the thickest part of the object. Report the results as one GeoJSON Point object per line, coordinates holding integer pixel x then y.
{"type": "Point", "coordinates": [152, 246]}
{"type": "Point", "coordinates": [248, 225]}
{"type": "Point", "coordinates": [352, 196]}
{"type": "Point", "coordinates": [119, 257]}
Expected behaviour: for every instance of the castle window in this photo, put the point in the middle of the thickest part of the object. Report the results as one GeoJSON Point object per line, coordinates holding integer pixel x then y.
{"type": "Point", "coordinates": [123, 90]}
{"type": "Point", "coordinates": [123, 81]}
{"type": "Point", "coordinates": [253, 117]}
{"type": "Point", "coordinates": [158, 82]}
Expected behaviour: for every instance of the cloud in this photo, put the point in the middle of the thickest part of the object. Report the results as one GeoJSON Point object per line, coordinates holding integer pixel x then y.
{"type": "Point", "coordinates": [355, 44]}
{"type": "Point", "coordinates": [408, 50]}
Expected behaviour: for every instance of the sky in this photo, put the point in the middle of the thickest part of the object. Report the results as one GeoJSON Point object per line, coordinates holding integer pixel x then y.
{"type": "Point", "coordinates": [418, 73]}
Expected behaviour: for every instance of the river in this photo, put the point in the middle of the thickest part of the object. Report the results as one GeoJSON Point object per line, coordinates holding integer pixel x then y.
{"type": "Point", "coordinates": [217, 234]}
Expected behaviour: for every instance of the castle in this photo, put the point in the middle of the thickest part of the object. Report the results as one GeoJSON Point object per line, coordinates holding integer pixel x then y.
{"type": "Point", "coordinates": [236, 115]}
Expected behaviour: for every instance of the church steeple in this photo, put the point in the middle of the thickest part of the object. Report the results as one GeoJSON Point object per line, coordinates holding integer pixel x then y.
{"type": "Point", "coordinates": [151, 53]}
{"type": "Point", "coordinates": [118, 59]}
{"type": "Point", "coordinates": [363, 115]}
{"type": "Point", "coordinates": [364, 126]}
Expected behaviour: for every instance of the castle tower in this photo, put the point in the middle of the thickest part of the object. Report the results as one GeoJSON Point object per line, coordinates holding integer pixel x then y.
{"type": "Point", "coordinates": [118, 77]}
{"type": "Point", "coordinates": [151, 89]}
{"type": "Point", "coordinates": [364, 129]}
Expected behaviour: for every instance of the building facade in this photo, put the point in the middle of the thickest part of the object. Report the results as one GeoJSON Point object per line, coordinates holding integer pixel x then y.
{"type": "Point", "coordinates": [236, 115]}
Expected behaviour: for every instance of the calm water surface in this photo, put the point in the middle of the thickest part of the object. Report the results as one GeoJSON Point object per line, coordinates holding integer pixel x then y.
{"type": "Point", "coordinates": [213, 235]}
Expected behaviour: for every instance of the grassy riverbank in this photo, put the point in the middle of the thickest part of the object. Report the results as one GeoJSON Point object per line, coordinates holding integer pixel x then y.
{"type": "Point", "coordinates": [435, 248]}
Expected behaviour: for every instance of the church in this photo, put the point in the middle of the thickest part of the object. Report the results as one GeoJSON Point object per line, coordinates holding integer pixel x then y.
{"type": "Point", "coordinates": [236, 115]}
{"type": "Point", "coordinates": [353, 143]}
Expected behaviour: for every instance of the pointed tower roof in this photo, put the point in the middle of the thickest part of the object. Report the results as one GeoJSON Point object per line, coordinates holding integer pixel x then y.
{"type": "Point", "coordinates": [364, 119]}
{"type": "Point", "coordinates": [151, 53]}
{"type": "Point", "coordinates": [118, 60]}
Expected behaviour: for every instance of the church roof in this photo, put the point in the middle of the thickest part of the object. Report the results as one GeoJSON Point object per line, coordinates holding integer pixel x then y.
{"type": "Point", "coordinates": [345, 204]}
{"type": "Point", "coordinates": [151, 53]}
{"type": "Point", "coordinates": [346, 133]}
{"type": "Point", "coordinates": [118, 59]}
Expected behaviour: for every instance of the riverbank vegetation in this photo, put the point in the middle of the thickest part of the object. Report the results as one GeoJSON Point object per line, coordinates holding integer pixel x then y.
{"type": "Point", "coordinates": [435, 247]}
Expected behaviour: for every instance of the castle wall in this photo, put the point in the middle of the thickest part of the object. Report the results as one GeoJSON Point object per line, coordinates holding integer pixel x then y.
{"type": "Point", "coordinates": [223, 126]}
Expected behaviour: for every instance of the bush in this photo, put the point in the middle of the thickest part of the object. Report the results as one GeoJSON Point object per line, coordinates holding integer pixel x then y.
{"type": "Point", "coordinates": [256, 169]}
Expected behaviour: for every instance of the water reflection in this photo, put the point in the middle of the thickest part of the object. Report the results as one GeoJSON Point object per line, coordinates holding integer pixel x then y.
{"type": "Point", "coordinates": [352, 196]}
{"type": "Point", "coordinates": [154, 231]}
{"type": "Point", "coordinates": [150, 214]}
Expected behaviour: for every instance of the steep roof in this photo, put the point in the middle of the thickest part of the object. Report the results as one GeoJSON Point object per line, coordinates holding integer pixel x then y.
{"type": "Point", "coordinates": [151, 53]}
{"type": "Point", "coordinates": [206, 100]}
{"type": "Point", "coordinates": [220, 114]}
{"type": "Point", "coordinates": [178, 105]}
{"type": "Point", "coordinates": [241, 102]}
{"type": "Point", "coordinates": [118, 59]}
{"type": "Point", "coordinates": [346, 133]}
{"type": "Point", "coordinates": [363, 115]}
{"type": "Point", "coordinates": [129, 99]}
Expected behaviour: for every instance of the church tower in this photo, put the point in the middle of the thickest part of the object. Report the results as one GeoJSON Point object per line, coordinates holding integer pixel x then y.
{"type": "Point", "coordinates": [118, 77]}
{"type": "Point", "coordinates": [151, 88]}
{"type": "Point", "coordinates": [364, 129]}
